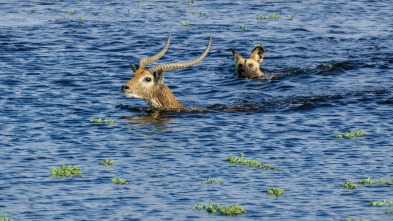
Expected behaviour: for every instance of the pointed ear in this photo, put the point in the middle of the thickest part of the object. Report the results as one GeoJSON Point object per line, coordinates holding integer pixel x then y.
{"type": "Point", "coordinates": [236, 56]}
{"type": "Point", "coordinates": [257, 54]}
{"type": "Point", "coordinates": [134, 67]}
{"type": "Point", "coordinates": [158, 76]}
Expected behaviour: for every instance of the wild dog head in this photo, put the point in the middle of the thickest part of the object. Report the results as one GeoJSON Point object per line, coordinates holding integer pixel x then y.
{"type": "Point", "coordinates": [249, 67]}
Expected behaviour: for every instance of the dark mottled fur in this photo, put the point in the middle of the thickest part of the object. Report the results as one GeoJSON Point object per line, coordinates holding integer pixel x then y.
{"type": "Point", "coordinates": [249, 68]}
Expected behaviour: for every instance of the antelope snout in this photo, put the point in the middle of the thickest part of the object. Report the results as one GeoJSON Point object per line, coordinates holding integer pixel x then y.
{"type": "Point", "coordinates": [124, 87]}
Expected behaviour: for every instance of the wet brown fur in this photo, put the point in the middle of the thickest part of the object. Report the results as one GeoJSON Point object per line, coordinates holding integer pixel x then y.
{"type": "Point", "coordinates": [155, 92]}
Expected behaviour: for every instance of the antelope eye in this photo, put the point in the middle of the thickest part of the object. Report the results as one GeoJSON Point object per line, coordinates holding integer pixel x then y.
{"type": "Point", "coordinates": [148, 79]}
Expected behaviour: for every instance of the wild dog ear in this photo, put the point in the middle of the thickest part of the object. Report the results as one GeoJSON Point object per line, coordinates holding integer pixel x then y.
{"type": "Point", "coordinates": [158, 76]}
{"type": "Point", "coordinates": [134, 67]}
{"type": "Point", "coordinates": [257, 54]}
{"type": "Point", "coordinates": [236, 56]}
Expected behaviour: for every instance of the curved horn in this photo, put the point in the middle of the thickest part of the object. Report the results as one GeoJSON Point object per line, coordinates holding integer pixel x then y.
{"type": "Point", "coordinates": [145, 61]}
{"type": "Point", "coordinates": [174, 66]}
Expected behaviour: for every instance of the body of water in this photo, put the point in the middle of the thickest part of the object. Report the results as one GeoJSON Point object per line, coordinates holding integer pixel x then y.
{"type": "Point", "coordinates": [62, 63]}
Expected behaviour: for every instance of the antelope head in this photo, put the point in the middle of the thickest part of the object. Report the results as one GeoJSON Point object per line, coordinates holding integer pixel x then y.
{"type": "Point", "coordinates": [149, 84]}
{"type": "Point", "coordinates": [249, 68]}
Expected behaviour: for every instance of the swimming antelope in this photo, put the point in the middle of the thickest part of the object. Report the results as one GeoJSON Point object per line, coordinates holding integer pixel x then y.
{"type": "Point", "coordinates": [149, 84]}
{"type": "Point", "coordinates": [249, 68]}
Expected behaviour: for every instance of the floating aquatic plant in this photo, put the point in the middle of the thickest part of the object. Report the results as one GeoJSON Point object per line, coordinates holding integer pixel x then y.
{"type": "Point", "coordinates": [275, 191]}
{"type": "Point", "coordinates": [5, 218]}
{"type": "Point", "coordinates": [212, 181]}
{"type": "Point", "coordinates": [243, 27]}
{"type": "Point", "coordinates": [274, 16]}
{"type": "Point", "coordinates": [258, 45]}
{"type": "Point", "coordinates": [377, 204]}
{"type": "Point", "coordinates": [66, 170]}
{"type": "Point", "coordinates": [351, 134]}
{"type": "Point", "coordinates": [367, 181]}
{"type": "Point", "coordinates": [80, 18]}
{"type": "Point", "coordinates": [107, 162]}
{"type": "Point", "coordinates": [104, 121]}
{"type": "Point", "coordinates": [349, 186]}
{"type": "Point", "coordinates": [250, 163]}
{"type": "Point", "coordinates": [230, 210]}
{"type": "Point", "coordinates": [261, 17]}
{"type": "Point", "coordinates": [390, 211]}
{"type": "Point", "coordinates": [187, 23]}
{"type": "Point", "coordinates": [69, 11]}
{"type": "Point", "coordinates": [289, 17]}
{"type": "Point", "coordinates": [202, 13]}
{"type": "Point", "coordinates": [346, 219]}
{"type": "Point", "coordinates": [119, 181]}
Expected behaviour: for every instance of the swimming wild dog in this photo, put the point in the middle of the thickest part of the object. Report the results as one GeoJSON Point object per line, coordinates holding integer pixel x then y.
{"type": "Point", "coordinates": [249, 68]}
{"type": "Point", "coordinates": [149, 84]}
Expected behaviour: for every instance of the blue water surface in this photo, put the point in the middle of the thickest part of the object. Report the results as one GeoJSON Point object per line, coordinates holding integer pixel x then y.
{"type": "Point", "coordinates": [331, 67]}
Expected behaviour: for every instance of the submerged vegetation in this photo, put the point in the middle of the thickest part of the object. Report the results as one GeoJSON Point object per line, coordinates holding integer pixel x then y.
{"type": "Point", "coordinates": [65, 171]}
{"type": "Point", "coordinates": [119, 181]}
{"type": "Point", "coordinates": [349, 186]}
{"type": "Point", "coordinates": [230, 210]}
{"type": "Point", "coordinates": [107, 162]}
{"type": "Point", "coordinates": [212, 181]}
{"type": "Point", "coordinates": [250, 163]}
{"type": "Point", "coordinates": [275, 191]}
{"type": "Point", "coordinates": [351, 134]}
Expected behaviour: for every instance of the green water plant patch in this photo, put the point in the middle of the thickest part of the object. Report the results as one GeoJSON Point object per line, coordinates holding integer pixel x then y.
{"type": "Point", "coordinates": [243, 27]}
{"type": "Point", "coordinates": [65, 171]}
{"type": "Point", "coordinates": [5, 218]}
{"type": "Point", "coordinates": [250, 163]}
{"type": "Point", "coordinates": [368, 181]}
{"type": "Point", "coordinates": [119, 181]}
{"type": "Point", "coordinates": [349, 185]}
{"type": "Point", "coordinates": [261, 17]}
{"type": "Point", "coordinates": [107, 162]}
{"type": "Point", "coordinates": [390, 211]}
{"type": "Point", "coordinates": [229, 211]}
{"type": "Point", "coordinates": [187, 23]}
{"type": "Point", "coordinates": [346, 219]}
{"type": "Point", "coordinates": [212, 181]}
{"type": "Point", "coordinates": [103, 121]}
{"type": "Point", "coordinates": [352, 134]}
{"type": "Point", "coordinates": [274, 16]}
{"type": "Point", "coordinates": [275, 191]}
{"type": "Point", "coordinates": [377, 204]}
